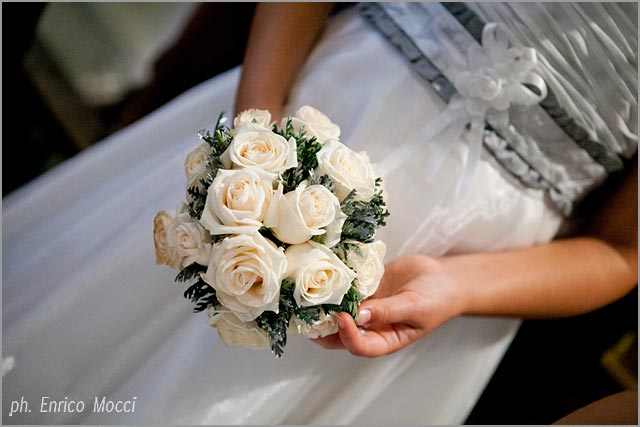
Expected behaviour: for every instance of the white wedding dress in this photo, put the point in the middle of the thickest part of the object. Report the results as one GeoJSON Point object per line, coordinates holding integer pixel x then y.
{"type": "Point", "coordinates": [86, 312]}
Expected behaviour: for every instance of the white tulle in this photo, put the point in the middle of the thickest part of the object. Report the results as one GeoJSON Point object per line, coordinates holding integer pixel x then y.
{"type": "Point", "coordinates": [87, 313]}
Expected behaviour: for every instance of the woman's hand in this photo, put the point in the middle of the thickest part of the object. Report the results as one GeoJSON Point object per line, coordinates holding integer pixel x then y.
{"type": "Point", "coordinates": [416, 296]}
{"type": "Point", "coordinates": [557, 279]}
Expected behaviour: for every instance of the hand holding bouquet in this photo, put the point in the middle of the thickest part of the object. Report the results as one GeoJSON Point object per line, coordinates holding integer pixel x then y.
{"type": "Point", "coordinates": [277, 235]}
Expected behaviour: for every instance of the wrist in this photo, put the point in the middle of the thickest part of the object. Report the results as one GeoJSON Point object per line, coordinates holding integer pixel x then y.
{"type": "Point", "coordinates": [254, 97]}
{"type": "Point", "coordinates": [452, 296]}
{"type": "Point", "coordinates": [456, 276]}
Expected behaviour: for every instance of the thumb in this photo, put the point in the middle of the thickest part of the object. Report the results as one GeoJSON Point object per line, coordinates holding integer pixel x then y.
{"type": "Point", "coordinates": [399, 308]}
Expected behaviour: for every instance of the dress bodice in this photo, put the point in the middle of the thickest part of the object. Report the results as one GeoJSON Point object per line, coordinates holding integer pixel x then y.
{"type": "Point", "coordinates": [581, 59]}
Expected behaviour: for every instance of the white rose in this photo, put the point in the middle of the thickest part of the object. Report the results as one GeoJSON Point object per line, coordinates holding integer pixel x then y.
{"type": "Point", "coordinates": [348, 169]}
{"type": "Point", "coordinates": [256, 146]}
{"type": "Point", "coordinates": [195, 180]}
{"type": "Point", "coordinates": [259, 117]}
{"type": "Point", "coordinates": [327, 325]}
{"type": "Point", "coordinates": [164, 253]}
{"type": "Point", "coordinates": [189, 240]}
{"type": "Point", "coordinates": [234, 332]}
{"type": "Point", "coordinates": [196, 161]}
{"type": "Point", "coordinates": [195, 167]}
{"type": "Point", "coordinates": [246, 272]}
{"type": "Point", "coordinates": [320, 276]}
{"type": "Point", "coordinates": [316, 123]}
{"type": "Point", "coordinates": [369, 266]}
{"type": "Point", "coordinates": [237, 201]}
{"type": "Point", "coordinates": [307, 211]}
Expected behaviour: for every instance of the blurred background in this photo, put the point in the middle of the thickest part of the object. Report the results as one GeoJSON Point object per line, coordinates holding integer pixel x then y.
{"type": "Point", "coordinates": [73, 73]}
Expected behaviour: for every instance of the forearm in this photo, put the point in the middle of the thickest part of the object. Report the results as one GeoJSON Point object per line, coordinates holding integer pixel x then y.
{"type": "Point", "coordinates": [561, 278]}
{"type": "Point", "coordinates": [281, 37]}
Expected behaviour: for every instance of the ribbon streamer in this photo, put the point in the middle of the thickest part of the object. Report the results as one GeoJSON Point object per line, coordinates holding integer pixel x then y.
{"type": "Point", "coordinates": [496, 75]}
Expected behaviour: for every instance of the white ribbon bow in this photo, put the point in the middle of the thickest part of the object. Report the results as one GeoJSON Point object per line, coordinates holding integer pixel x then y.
{"type": "Point", "coordinates": [496, 75]}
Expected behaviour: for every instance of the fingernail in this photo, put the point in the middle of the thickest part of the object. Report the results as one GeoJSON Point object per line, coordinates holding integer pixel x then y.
{"type": "Point", "coordinates": [341, 324]}
{"type": "Point", "coordinates": [364, 316]}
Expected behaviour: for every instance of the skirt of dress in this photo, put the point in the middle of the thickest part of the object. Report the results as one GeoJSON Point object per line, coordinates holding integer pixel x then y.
{"type": "Point", "coordinates": [87, 314]}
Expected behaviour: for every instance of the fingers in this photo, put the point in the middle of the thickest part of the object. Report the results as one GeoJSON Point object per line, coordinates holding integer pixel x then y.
{"type": "Point", "coordinates": [383, 340]}
{"type": "Point", "coordinates": [352, 338]}
{"type": "Point", "coordinates": [399, 308]}
{"type": "Point", "coordinates": [330, 342]}
{"type": "Point", "coordinates": [367, 344]}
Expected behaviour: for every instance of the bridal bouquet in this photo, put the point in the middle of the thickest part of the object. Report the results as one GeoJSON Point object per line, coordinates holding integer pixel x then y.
{"type": "Point", "coordinates": [277, 232]}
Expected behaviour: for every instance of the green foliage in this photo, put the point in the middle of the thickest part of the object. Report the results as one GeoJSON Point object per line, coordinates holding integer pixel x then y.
{"type": "Point", "coordinates": [320, 238]}
{"type": "Point", "coordinates": [218, 142]}
{"type": "Point", "coordinates": [217, 238]}
{"type": "Point", "coordinates": [268, 234]}
{"type": "Point", "coordinates": [349, 304]}
{"type": "Point", "coordinates": [342, 250]}
{"type": "Point", "coordinates": [202, 294]}
{"type": "Point", "coordinates": [199, 292]}
{"type": "Point", "coordinates": [363, 217]}
{"type": "Point", "coordinates": [190, 272]}
{"type": "Point", "coordinates": [322, 180]}
{"type": "Point", "coordinates": [276, 324]}
{"type": "Point", "coordinates": [286, 289]}
{"type": "Point", "coordinates": [306, 148]}
{"type": "Point", "coordinates": [308, 315]}
{"type": "Point", "coordinates": [220, 139]}
{"type": "Point", "coordinates": [287, 132]}
{"type": "Point", "coordinates": [198, 197]}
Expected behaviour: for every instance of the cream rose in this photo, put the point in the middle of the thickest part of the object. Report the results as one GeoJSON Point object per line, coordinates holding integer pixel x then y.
{"type": "Point", "coordinates": [320, 276]}
{"type": "Point", "coordinates": [195, 180]}
{"type": "Point", "coordinates": [246, 272]}
{"type": "Point", "coordinates": [327, 325]}
{"type": "Point", "coordinates": [195, 167]}
{"type": "Point", "coordinates": [348, 169]}
{"type": "Point", "coordinates": [256, 146]}
{"type": "Point", "coordinates": [234, 332]}
{"type": "Point", "coordinates": [316, 124]}
{"type": "Point", "coordinates": [307, 211]}
{"type": "Point", "coordinates": [165, 254]}
{"type": "Point", "coordinates": [189, 241]}
{"type": "Point", "coordinates": [255, 116]}
{"type": "Point", "coordinates": [196, 160]}
{"type": "Point", "coordinates": [237, 201]}
{"type": "Point", "coordinates": [369, 265]}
